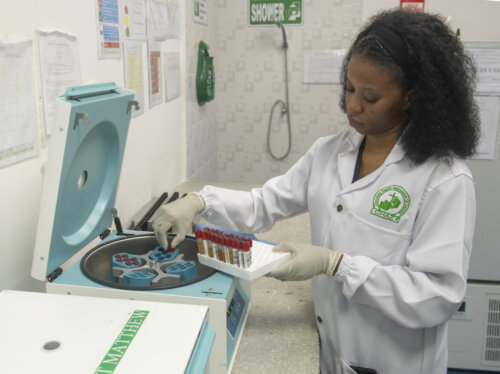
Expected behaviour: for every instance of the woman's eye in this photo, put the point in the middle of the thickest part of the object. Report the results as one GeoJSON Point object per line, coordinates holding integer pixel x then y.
{"type": "Point", "coordinates": [371, 101]}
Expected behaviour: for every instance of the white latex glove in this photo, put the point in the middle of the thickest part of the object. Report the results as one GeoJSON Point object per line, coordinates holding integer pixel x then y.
{"type": "Point", "coordinates": [306, 262]}
{"type": "Point", "coordinates": [178, 216]}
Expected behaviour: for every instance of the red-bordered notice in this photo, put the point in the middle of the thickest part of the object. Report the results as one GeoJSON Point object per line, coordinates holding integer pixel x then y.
{"type": "Point", "coordinates": [412, 4]}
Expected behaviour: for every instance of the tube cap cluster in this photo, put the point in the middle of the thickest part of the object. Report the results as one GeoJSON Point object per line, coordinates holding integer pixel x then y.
{"type": "Point", "coordinates": [228, 248]}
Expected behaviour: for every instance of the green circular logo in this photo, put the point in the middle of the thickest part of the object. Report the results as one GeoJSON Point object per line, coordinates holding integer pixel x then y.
{"type": "Point", "coordinates": [391, 203]}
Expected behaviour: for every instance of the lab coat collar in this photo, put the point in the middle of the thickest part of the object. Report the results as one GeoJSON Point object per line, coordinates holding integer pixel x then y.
{"type": "Point", "coordinates": [347, 162]}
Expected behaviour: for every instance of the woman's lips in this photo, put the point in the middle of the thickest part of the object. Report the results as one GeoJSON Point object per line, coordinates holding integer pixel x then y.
{"type": "Point", "coordinates": [354, 123]}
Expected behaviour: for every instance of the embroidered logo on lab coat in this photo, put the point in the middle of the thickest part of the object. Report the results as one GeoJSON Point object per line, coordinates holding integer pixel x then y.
{"type": "Point", "coordinates": [391, 203]}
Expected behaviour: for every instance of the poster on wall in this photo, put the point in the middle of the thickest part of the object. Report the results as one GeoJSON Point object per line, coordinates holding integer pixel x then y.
{"type": "Point", "coordinates": [132, 63]}
{"type": "Point", "coordinates": [268, 12]}
{"type": "Point", "coordinates": [201, 12]}
{"type": "Point", "coordinates": [157, 19]}
{"type": "Point", "coordinates": [489, 110]}
{"type": "Point", "coordinates": [155, 73]}
{"type": "Point", "coordinates": [108, 29]}
{"type": "Point", "coordinates": [412, 4]}
{"type": "Point", "coordinates": [172, 63]}
{"type": "Point", "coordinates": [59, 68]}
{"type": "Point", "coordinates": [486, 56]}
{"type": "Point", "coordinates": [133, 19]}
{"type": "Point", "coordinates": [17, 106]}
{"type": "Point", "coordinates": [323, 67]}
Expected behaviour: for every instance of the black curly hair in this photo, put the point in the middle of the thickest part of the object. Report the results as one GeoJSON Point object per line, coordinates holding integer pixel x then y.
{"type": "Point", "coordinates": [443, 118]}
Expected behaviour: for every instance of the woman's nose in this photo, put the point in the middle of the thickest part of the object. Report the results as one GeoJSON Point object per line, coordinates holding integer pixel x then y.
{"type": "Point", "coordinates": [354, 104]}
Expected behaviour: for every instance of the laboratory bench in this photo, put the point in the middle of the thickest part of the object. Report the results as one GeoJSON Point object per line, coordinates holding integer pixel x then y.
{"type": "Point", "coordinates": [280, 335]}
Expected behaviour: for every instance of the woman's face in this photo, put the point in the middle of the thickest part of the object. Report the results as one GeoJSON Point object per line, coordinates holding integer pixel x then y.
{"type": "Point", "coordinates": [375, 101]}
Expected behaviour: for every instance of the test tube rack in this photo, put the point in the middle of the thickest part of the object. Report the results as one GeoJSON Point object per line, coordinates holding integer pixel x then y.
{"type": "Point", "coordinates": [263, 259]}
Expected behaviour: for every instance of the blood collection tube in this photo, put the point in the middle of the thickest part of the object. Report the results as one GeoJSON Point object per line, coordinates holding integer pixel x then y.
{"type": "Point", "coordinates": [213, 238]}
{"type": "Point", "coordinates": [211, 252]}
{"type": "Point", "coordinates": [204, 238]}
{"type": "Point", "coordinates": [234, 251]}
{"type": "Point", "coordinates": [218, 248]}
{"type": "Point", "coordinates": [228, 249]}
{"type": "Point", "coordinates": [225, 249]}
{"type": "Point", "coordinates": [239, 246]}
{"type": "Point", "coordinates": [222, 248]}
{"type": "Point", "coordinates": [199, 241]}
{"type": "Point", "coordinates": [247, 253]}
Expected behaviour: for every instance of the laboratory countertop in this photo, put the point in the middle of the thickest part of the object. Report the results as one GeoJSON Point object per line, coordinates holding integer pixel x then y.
{"type": "Point", "coordinates": [280, 334]}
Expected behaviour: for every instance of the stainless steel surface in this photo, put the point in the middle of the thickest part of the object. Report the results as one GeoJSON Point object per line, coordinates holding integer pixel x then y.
{"type": "Point", "coordinates": [97, 264]}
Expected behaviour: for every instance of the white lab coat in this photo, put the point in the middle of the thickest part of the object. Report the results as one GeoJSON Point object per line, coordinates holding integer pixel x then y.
{"type": "Point", "coordinates": [399, 282]}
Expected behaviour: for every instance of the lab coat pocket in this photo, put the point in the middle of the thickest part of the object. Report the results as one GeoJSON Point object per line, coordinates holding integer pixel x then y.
{"type": "Point", "coordinates": [363, 238]}
{"type": "Point", "coordinates": [343, 368]}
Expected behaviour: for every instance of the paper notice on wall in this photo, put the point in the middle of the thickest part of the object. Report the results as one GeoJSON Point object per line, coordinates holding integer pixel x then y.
{"type": "Point", "coordinates": [323, 67]}
{"type": "Point", "coordinates": [132, 61]}
{"type": "Point", "coordinates": [200, 14]}
{"type": "Point", "coordinates": [486, 56]}
{"type": "Point", "coordinates": [133, 19]}
{"type": "Point", "coordinates": [174, 19]}
{"type": "Point", "coordinates": [172, 64]}
{"type": "Point", "coordinates": [489, 109]}
{"type": "Point", "coordinates": [108, 29]}
{"type": "Point", "coordinates": [59, 68]}
{"type": "Point", "coordinates": [155, 73]}
{"type": "Point", "coordinates": [157, 19]}
{"type": "Point", "coordinates": [17, 106]}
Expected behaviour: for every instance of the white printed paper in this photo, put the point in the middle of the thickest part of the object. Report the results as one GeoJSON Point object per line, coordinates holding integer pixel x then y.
{"type": "Point", "coordinates": [172, 63]}
{"type": "Point", "coordinates": [17, 107]}
{"type": "Point", "coordinates": [489, 109]}
{"type": "Point", "coordinates": [487, 59]}
{"type": "Point", "coordinates": [323, 67]}
{"type": "Point", "coordinates": [59, 67]}
{"type": "Point", "coordinates": [155, 73]}
{"type": "Point", "coordinates": [108, 29]}
{"type": "Point", "coordinates": [132, 61]}
{"type": "Point", "coordinates": [157, 19]}
{"type": "Point", "coordinates": [174, 19]}
{"type": "Point", "coordinates": [133, 19]}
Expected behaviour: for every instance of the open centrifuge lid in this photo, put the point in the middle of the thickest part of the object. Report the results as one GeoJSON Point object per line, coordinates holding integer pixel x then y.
{"type": "Point", "coordinates": [82, 172]}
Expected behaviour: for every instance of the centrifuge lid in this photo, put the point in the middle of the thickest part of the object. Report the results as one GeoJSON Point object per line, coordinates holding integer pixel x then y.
{"type": "Point", "coordinates": [82, 172]}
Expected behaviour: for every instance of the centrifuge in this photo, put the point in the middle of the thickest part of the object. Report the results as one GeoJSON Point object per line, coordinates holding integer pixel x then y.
{"type": "Point", "coordinates": [77, 208]}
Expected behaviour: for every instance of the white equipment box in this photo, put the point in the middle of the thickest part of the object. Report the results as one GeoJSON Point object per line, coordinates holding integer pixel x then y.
{"type": "Point", "coordinates": [56, 334]}
{"type": "Point", "coordinates": [473, 334]}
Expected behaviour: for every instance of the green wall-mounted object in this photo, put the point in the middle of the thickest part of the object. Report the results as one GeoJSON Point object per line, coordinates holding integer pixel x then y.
{"type": "Point", "coordinates": [205, 76]}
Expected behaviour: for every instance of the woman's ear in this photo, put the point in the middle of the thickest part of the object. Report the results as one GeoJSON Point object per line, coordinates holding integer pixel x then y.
{"type": "Point", "coordinates": [408, 99]}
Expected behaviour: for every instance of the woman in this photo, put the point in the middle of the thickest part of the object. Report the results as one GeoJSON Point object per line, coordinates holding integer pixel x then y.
{"type": "Point", "coordinates": [391, 201]}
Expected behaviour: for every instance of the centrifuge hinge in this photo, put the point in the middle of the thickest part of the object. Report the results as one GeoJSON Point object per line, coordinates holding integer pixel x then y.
{"type": "Point", "coordinates": [134, 104]}
{"type": "Point", "coordinates": [54, 274]}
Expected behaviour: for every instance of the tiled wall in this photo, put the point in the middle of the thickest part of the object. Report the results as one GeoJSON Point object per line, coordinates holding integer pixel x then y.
{"type": "Point", "coordinates": [250, 77]}
{"type": "Point", "coordinates": [201, 121]}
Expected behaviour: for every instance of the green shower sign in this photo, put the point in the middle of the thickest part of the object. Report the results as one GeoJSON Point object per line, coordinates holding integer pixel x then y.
{"type": "Point", "coordinates": [268, 12]}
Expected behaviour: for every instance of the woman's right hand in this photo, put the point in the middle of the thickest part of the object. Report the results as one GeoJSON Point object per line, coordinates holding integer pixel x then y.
{"type": "Point", "coordinates": [178, 216]}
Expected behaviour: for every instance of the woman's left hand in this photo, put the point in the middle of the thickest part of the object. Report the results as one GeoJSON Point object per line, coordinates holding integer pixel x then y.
{"type": "Point", "coordinates": [306, 262]}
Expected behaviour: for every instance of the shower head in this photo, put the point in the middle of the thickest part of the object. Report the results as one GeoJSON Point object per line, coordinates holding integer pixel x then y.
{"type": "Point", "coordinates": [280, 25]}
